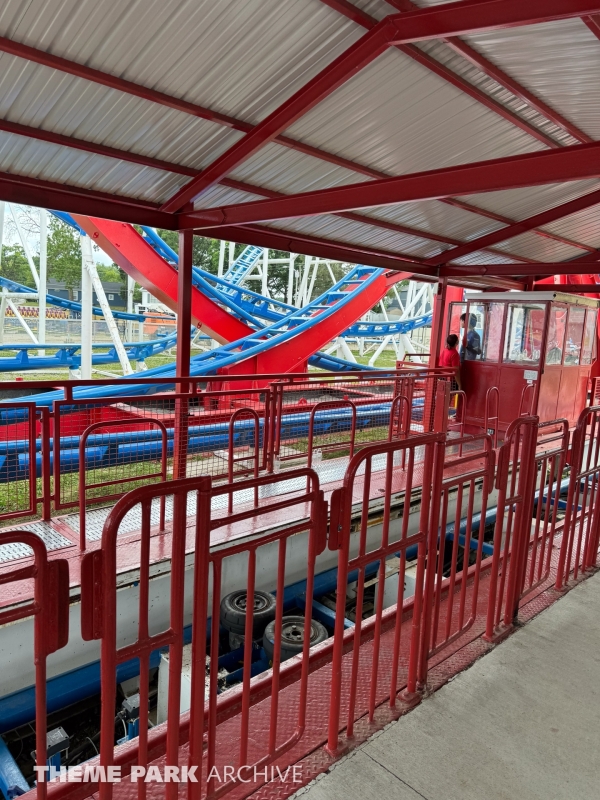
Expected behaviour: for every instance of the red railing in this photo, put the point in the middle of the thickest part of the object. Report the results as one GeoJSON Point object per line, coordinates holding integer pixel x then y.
{"type": "Point", "coordinates": [439, 546]}
{"type": "Point", "coordinates": [452, 583]}
{"type": "Point", "coordinates": [582, 516]}
{"type": "Point", "coordinates": [49, 607]}
{"type": "Point", "coordinates": [515, 481]}
{"type": "Point", "coordinates": [490, 418]}
{"type": "Point", "coordinates": [424, 455]}
{"type": "Point", "coordinates": [307, 515]}
{"type": "Point", "coordinates": [116, 483]}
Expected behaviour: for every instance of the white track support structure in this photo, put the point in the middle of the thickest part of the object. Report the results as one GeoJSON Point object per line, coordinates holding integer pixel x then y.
{"type": "Point", "coordinates": [222, 245]}
{"type": "Point", "coordinates": [90, 266]}
{"type": "Point", "coordinates": [264, 287]}
{"type": "Point", "coordinates": [25, 326]}
{"type": "Point", "coordinates": [42, 288]}
{"type": "Point", "coordinates": [130, 293]}
{"type": "Point", "coordinates": [25, 244]}
{"type": "Point", "coordinates": [87, 302]}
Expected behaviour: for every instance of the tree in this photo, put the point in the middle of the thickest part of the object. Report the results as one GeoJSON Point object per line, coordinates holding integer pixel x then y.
{"type": "Point", "coordinates": [205, 253]}
{"type": "Point", "coordinates": [14, 265]}
{"type": "Point", "coordinates": [64, 255]}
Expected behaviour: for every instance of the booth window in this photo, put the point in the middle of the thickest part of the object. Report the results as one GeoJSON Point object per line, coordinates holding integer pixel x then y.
{"type": "Point", "coordinates": [454, 323]}
{"type": "Point", "coordinates": [557, 327]}
{"type": "Point", "coordinates": [492, 346]}
{"type": "Point", "coordinates": [574, 335]}
{"type": "Point", "coordinates": [524, 328]}
{"type": "Point", "coordinates": [589, 337]}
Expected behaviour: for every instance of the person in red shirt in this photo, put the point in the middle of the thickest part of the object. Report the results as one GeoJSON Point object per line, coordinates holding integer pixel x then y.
{"type": "Point", "coordinates": [449, 358]}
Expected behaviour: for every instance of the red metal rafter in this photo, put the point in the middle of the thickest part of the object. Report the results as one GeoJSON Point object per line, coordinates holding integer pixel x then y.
{"type": "Point", "coordinates": [483, 212]}
{"type": "Point", "coordinates": [531, 169]}
{"type": "Point", "coordinates": [430, 63]}
{"type": "Point", "coordinates": [327, 81]}
{"type": "Point", "coordinates": [438, 22]}
{"type": "Point", "coordinates": [129, 87]}
{"type": "Point", "coordinates": [125, 155]}
{"type": "Point", "coordinates": [521, 270]}
{"type": "Point", "coordinates": [148, 161]}
{"type": "Point", "coordinates": [294, 242]}
{"type": "Point", "coordinates": [494, 72]}
{"type": "Point", "coordinates": [593, 24]}
{"type": "Point", "coordinates": [326, 248]}
{"type": "Point", "coordinates": [517, 228]}
{"type": "Point", "coordinates": [46, 194]}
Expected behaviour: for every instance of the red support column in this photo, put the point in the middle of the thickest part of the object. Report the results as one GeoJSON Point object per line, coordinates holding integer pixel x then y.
{"type": "Point", "coordinates": [184, 324]}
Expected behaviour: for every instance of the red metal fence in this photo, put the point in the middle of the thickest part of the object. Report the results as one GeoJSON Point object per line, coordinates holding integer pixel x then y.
{"type": "Point", "coordinates": [411, 511]}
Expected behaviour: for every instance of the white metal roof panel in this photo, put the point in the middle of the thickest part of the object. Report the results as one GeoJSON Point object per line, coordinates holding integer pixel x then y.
{"type": "Point", "coordinates": [558, 61]}
{"type": "Point", "coordinates": [583, 226]}
{"type": "Point", "coordinates": [240, 58]}
{"type": "Point", "coordinates": [398, 117]}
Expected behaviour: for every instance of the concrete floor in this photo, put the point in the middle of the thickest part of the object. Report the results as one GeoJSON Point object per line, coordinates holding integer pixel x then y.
{"type": "Point", "coordinates": [522, 723]}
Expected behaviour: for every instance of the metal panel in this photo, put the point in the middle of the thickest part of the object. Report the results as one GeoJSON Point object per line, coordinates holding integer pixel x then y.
{"type": "Point", "coordinates": [50, 537]}
{"type": "Point", "coordinates": [583, 226]}
{"type": "Point", "coordinates": [522, 203]}
{"type": "Point", "coordinates": [559, 62]}
{"type": "Point", "coordinates": [32, 158]}
{"type": "Point", "coordinates": [398, 117]}
{"type": "Point", "coordinates": [529, 245]}
{"type": "Point", "coordinates": [337, 228]}
{"type": "Point", "coordinates": [242, 59]}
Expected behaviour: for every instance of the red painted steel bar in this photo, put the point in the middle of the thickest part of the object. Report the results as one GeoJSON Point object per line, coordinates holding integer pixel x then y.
{"type": "Point", "coordinates": [476, 475]}
{"type": "Point", "coordinates": [420, 25]}
{"type": "Point", "coordinates": [84, 486]}
{"type": "Point", "coordinates": [490, 418]}
{"type": "Point", "coordinates": [517, 228]}
{"type": "Point", "coordinates": [531, 169]}
{"type": "Point", "coordinates": [515, 480]}
{"type": "Point", "coordinates": [49, 608]}
{"type": "Point", "coordinates": [182, 364]}
{"type": "Point", "coordinates": [244, 459]}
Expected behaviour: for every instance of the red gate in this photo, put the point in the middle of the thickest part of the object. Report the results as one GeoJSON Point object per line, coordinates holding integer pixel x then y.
{"type": "Point", "coordinates": [515, 481]}
{"type": "Point", "coordinates": [579, 547]}
{"type": "Point", "coordinates": [410, 468]}
{"type": "Point", "coordinates": [305, 513]}
{"type": "Point", "coordinates": [50, 611]}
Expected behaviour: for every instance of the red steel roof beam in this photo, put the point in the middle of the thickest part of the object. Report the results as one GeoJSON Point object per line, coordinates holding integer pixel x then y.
{"type": "Point", "coordinates": [361, 53]}
{"type": "Point", "coordinates": [532, 169]}
{"type": "Point", "coordinates": [445, 73]}
{"type": "Point", "coordinates": [74, 200]}
{"type": "Point", "coordinates": [439, 22]}
{"type": "Point", "coordinates": [521, 270]}
{"type": "Point", "coordinates": [593, 24]}
{"type": "Point", "coordinates": [517, 228]}
{"type": "Point", "coordinates": [494, 72]}
{"type": "Point", "coordinates": [156, 163]}
{"type": "Point", "coordinates": [484, 212]}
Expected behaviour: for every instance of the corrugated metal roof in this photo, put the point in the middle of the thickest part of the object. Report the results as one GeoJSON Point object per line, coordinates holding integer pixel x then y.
{"type": "Point", "coordinates": [560, 63]}
{"type": "Point", "coordinates": [244, 59]}
{"type": "Point", "coordinates": [240, 58]}
{"type": "Point", "coordinates": [398, 117]}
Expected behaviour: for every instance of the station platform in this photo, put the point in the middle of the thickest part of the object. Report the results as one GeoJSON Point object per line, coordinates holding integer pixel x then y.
{"type": "Point", "coordinates": [521, 722]}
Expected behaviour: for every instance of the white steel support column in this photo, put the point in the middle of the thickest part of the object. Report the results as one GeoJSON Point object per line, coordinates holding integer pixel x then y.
{"type": "Point", "coordinates": [231, 253]}
{"type": "Point", "coordinates": [265, 272]}
{"type": "Point", "coordinates": [221, 257]}
{"type": "Point", "coordinates": [25, 326]}
{"type": "Point", "coordinates": [42, 288]}
{"type": "Point", "coordinates": [130, 292]}
{"type": "Point", "coordinates": [290, 286]}
{"type": "Point", "coordinates": [85, 370]}
{"type": "Point", "coordinates": [90, 266]}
